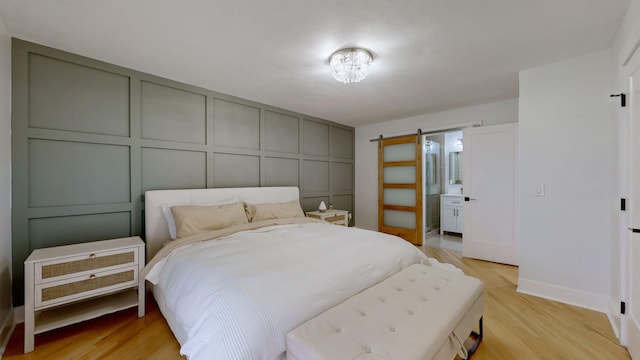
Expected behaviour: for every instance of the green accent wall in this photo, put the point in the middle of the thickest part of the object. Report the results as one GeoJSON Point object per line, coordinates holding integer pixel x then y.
{"type": "Point", "coordinates": [89, 138]}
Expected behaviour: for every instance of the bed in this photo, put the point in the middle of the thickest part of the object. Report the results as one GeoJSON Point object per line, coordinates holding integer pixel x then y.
{"type": "Point", "coordinates": [238, 295]}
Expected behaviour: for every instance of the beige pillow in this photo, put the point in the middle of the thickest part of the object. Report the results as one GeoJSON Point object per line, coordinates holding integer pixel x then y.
{"type": "Point", "coordinates": [289, 209]}
{"type": "Point", "coordinates": [191, 219]}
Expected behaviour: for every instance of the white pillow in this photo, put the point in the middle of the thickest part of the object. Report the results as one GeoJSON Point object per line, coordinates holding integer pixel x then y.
{"type": "Point", "coordinates": [171, 221]}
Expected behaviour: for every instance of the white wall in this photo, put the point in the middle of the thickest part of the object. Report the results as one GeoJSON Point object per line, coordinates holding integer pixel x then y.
{"type": "Point", "coordinates": [5, 182]}
{"type": "Point", "coordinates": [568, 141]}
{"type": "Point", "coordinates": [366, 182]}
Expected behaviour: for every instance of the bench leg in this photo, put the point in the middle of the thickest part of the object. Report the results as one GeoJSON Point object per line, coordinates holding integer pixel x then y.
{"type": "Point", "coordinates": [476, 343]}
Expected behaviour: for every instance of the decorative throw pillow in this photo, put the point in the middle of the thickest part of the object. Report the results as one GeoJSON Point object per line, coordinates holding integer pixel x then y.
{"type": "Point", "coordinates": [289, 209]}
{"type": "Point", "coordinates": [191, 219]}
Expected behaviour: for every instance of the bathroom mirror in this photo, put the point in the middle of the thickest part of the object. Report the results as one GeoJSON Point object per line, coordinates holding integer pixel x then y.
{"type": "Point", "coordinates": [455, 167]}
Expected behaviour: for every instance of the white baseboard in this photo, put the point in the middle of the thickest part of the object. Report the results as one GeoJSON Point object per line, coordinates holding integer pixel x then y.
{"type": "Point", "coordinates": [633, 332]}
{"type": "Point", "coordinates": [8, 326]}
{"type": "Point", "coordinates": [613, 314]}
{"type": "Point", "coordinates": [564, 295]}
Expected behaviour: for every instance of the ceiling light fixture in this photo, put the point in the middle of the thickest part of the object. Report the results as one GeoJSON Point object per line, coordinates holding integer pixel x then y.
{"type": "Point", "coordinates": [350, 65]}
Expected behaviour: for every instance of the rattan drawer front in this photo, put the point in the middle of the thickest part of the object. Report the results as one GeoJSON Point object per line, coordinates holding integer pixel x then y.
{"type": "Point", "coordinates": [335, 218]}
{"type": "Point", "coordinates": [50, 271]}
{"type": "Point", "coordinates": [81, 287]}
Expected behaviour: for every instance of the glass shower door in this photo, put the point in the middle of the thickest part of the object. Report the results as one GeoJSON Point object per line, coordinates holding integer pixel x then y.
{"type": "Point", "coordinates": [400, 188]}
{"type": "Point", "coordinates": [431, 186]}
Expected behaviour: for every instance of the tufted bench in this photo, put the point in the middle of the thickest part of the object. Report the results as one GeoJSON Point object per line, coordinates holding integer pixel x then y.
{"type": "Point", "coordinates": [422, 312]}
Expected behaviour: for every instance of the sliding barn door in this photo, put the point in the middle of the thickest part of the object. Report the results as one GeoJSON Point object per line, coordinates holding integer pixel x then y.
{"type": "Point", "coordinates": [400, 187]}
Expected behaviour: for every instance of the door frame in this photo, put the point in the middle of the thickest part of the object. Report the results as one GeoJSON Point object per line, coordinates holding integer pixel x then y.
{"type": "Point", "coordinates": [621, 322]}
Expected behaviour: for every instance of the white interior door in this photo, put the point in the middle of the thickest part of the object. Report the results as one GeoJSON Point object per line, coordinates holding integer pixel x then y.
{"type": "Point", "coordinates": [632, 320]}
{"type": "Point", "coordinates": [489, 189]}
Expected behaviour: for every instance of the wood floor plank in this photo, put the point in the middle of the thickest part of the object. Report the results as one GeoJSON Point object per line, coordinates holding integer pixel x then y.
{"type": "Point", "coordinates": [117, 336]}
{"type": "Point", "coordinates": [516, 326]}
{"type": "Point", "coordinates": [519, 326]}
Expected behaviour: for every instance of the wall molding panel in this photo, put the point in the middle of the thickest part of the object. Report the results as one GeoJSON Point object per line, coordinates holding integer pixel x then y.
{"type": "Point", "coordinates": [89, 138]}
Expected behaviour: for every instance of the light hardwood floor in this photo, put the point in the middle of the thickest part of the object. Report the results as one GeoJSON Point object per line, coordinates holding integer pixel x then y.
{"type": "Point", "coordinates": [516, 326]}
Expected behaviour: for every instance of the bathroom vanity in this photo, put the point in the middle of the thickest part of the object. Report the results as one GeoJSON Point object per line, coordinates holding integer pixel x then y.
{"type": "Point", "coordinates": [450, 213]}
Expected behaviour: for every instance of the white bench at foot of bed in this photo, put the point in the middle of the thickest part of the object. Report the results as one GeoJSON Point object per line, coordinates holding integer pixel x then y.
{"type": "Point", "coordinates": [422, 312]}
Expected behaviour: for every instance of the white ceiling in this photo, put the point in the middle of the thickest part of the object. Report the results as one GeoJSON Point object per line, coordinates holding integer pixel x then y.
{"type": "Point", "coordinates": [429, 55]}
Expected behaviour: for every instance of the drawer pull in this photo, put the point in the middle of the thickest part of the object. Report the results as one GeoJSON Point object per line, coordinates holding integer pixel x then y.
{"type": "Point", "coordinates": [92, 256]}
{"type": "Point", "coordinates": [92, 276]}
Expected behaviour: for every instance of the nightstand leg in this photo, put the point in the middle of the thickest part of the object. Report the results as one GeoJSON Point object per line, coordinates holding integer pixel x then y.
{"type": "Point", "coordinates": [29, 328]}
{"type": "Point", "coordinates": [29, 316]}
{"type": "Point", "coordinates": [141, 285]}
{"type": "Point", "coordinates": [141, 299]}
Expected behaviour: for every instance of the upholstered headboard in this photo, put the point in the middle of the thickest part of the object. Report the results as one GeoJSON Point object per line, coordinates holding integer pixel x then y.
{"type": "Point", "coordinates": [156, 229]}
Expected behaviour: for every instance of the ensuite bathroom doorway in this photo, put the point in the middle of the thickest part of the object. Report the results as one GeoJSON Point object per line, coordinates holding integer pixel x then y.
{"type": "Point", "coordinates": [439, 184]}
{"type": "Point", "coordinates": [432, 183]}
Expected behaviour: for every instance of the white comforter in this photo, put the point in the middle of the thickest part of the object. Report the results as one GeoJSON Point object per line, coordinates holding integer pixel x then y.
{"type": "Point", "coordinates": [237, 297]}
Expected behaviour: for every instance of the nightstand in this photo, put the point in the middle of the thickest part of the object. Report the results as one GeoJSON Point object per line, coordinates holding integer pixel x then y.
{"type": "Point", "coordinates": [338, 217]}
{"type": "Point", "coordinates": [69, 284]}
